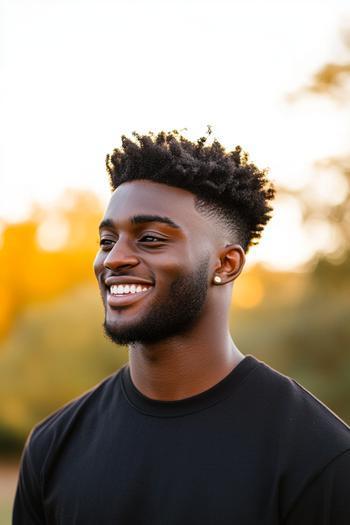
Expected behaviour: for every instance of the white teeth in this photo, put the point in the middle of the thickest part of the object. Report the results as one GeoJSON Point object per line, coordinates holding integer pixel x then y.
{"type": "Point", "coordinates": [121, 289]}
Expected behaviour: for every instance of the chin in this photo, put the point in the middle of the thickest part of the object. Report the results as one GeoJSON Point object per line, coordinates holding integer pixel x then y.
{"type": "Point", "coordinates": [116, 335]}
{"type": "Point", "coordinates": [123, 333]}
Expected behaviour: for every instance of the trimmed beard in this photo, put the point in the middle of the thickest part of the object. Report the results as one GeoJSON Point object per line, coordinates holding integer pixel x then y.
{"type": "Point", "coordinates": [171, 317]}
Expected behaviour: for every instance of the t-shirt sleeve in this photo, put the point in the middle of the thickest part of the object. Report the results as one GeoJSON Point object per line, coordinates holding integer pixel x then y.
{"type": "Point", "coordinates": [28, 508]}
{"type": "Point", "coordinates": [326, 500]}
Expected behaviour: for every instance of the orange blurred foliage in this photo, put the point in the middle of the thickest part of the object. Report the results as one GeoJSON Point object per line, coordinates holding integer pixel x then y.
{"type": "Point", "coordinates": [32, 273]}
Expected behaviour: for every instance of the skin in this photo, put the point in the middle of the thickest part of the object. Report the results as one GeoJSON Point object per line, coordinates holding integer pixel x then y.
{"type": "Point", "coordinates": [186, 363]}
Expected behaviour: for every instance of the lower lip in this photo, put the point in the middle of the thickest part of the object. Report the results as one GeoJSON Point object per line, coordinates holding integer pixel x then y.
{"type": "Point", "coordinates": [115, 301]}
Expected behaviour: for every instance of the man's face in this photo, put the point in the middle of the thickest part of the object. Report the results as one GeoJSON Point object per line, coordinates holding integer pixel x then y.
{"type": "Point", "coordinates": [153, 264]}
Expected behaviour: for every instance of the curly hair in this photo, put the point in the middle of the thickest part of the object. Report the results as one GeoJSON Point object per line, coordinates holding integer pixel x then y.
{"type": "Point", "coordinates": [225, 184]}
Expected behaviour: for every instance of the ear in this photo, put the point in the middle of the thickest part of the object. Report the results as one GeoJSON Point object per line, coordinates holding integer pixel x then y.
{"type": "Point", "coordinates": [231, 262]}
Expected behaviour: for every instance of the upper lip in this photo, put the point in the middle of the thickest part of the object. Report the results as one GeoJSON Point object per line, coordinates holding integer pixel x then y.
{"type": "Point", "coordinates": [124, 279]}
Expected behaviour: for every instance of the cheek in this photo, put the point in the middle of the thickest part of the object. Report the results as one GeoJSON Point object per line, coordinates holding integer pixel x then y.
{"type": "Point", "coordinates": [98, 263]}
{"type": "Point", "coordinates": [169, 269]}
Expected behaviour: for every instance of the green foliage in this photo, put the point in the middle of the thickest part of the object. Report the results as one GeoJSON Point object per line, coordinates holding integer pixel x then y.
{"type": "Point", "coordinates": [5, 513]}
{"type": "Point", "coordinates": [55, 353]}
{"type": "Point", "coordinates": [307, 338]}
{"type": "Point", "coordinates": [57, 350]}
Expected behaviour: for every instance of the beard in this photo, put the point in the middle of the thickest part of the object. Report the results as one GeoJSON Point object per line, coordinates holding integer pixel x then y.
{"type": "Point", "coordinates": [175, 315]}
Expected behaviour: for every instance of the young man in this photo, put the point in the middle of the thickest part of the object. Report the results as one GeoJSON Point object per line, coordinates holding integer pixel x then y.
{"type": "Point", "coordinates": [190, 431]}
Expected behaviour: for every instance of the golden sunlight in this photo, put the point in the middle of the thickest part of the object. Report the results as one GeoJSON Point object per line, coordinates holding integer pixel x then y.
{"type": "Point", "coordinates": [248, 292]}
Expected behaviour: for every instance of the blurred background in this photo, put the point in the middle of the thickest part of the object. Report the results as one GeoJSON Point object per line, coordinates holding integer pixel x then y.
{"type": "Point", "coordinates": [271, 76]}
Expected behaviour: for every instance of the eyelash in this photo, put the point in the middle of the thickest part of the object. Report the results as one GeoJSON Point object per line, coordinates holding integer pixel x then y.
{"type": "Point", "coordinates": [105, 242]}
{"type": "Point", "coordinates": [158, 239]}
{"type": "Point", "coordinates": [108, 242]}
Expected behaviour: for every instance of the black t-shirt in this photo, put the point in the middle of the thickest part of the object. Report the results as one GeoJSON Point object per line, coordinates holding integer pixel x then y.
{"type": "Point", "coordinates": [256, 448]}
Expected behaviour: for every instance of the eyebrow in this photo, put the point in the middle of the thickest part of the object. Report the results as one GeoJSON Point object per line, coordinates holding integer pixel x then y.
{"type": "Point", "coordinates": [141, 219]}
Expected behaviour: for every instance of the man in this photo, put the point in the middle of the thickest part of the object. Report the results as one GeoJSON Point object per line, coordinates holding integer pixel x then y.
{"type": "Point", "coordinates": [190, 431]}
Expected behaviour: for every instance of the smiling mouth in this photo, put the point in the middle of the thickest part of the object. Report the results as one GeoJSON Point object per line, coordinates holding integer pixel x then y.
{"type": "Point", "coordinates": [120, 295]}
{"type": "Point", "coordinates": [119, 290]}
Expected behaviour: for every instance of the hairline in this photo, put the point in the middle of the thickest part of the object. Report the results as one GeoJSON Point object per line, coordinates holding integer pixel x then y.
{"type": "Point", "coordinates": [209, 209]}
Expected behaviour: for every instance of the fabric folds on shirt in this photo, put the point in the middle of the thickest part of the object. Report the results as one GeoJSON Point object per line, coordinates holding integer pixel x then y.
{"type": "Point", "coordinates": [256, 448]}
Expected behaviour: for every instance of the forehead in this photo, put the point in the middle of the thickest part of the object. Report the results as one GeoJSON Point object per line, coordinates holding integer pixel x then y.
{"type": "Point", "coordinates": [143, 197]}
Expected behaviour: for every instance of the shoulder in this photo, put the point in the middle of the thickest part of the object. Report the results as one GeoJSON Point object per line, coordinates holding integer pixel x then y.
{"type": "Point", "coordinates": [307, 434]}
{"type": "Point", "coordinates": [298, 409]}
{"type": "Point", "coordinates": [52, 431]}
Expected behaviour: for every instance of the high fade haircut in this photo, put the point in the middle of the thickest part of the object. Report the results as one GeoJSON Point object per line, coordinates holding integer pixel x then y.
{"type": "Point", "coordinates": [226, 185]}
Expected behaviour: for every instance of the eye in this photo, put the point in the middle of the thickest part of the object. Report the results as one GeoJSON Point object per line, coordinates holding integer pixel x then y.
{"type": "Point", "coordinates": [151, 238]}
{"type": "Point", "coordinates": [106, 243]}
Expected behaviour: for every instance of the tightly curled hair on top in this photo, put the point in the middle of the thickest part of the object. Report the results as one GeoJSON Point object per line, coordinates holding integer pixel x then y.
{"type": "Point", "coordinates": [226, 185]}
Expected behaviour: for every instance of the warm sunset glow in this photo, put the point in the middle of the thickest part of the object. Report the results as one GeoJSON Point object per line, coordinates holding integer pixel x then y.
{"type": "Point", "coordinates": [52, 233]}
{"type": "Point", "coordinates": [248, 292]}
{"type": "Point", "coordinates": [229, 64]}
{"type": "Point", "coordinates": [271, 76]}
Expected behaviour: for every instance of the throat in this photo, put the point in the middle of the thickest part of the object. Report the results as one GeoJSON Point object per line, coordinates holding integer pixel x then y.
{"type": "Point", "coordinates": [174, 373]}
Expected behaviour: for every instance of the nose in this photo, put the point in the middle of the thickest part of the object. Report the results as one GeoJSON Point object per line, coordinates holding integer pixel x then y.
{"type": "Point", "coordinates": [120, 256]}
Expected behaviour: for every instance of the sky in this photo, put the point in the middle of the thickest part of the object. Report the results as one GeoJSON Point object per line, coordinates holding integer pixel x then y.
{"type": "Point", "coordinates": [76, 75]}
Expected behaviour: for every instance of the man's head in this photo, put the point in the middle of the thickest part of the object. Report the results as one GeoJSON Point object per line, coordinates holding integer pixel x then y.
{"type": "Point", "coordinates": [182, 213]}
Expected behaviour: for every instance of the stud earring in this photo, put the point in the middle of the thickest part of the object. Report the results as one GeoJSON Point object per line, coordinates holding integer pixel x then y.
{"type": "Point", "coordinates": [217, 279]}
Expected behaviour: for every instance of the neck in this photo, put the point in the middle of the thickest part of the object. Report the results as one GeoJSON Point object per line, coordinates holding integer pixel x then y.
{"type": "Point", "coordinates": [184, 366]}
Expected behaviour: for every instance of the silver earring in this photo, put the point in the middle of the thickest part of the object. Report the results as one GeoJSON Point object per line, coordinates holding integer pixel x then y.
{"type": "Point", "coordinates": [217, 279]}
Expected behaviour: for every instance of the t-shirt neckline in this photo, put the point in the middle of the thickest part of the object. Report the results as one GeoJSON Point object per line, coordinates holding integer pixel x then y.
{"type": "Point", "coordinates": [189, 405]}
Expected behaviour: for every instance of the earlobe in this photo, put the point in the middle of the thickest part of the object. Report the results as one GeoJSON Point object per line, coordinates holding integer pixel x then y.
{"type": "Point", "coordinates": [232, 260]}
